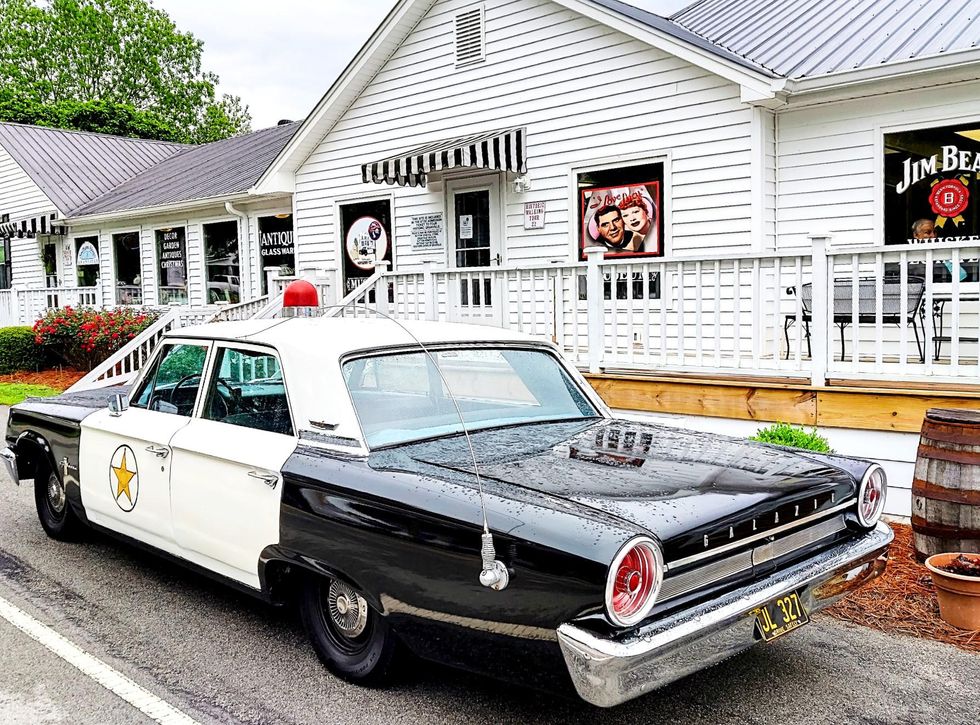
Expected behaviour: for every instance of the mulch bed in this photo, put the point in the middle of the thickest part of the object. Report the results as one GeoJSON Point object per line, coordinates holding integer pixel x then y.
{"type": "Point", "coordinates": [903, 600]}
{"type": "Point", "coordinates": [57, 379]}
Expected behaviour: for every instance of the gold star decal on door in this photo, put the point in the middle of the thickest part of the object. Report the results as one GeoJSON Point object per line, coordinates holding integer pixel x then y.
{"type": "Point", "coordinates": [123, 477]}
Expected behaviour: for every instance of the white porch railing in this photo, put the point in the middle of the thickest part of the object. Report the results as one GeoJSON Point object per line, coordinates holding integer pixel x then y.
{"type": "Point", "coordinates": [25, 306]}
{"type": "Point", "coordinates": [864, 313]}
{"type": "Point", "coordinates": [905, 314]}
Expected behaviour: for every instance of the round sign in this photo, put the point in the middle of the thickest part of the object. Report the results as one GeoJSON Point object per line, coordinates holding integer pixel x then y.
{"type": "Point", "coordinates": [949, 198]}
{"type": "Point", "coordinates": [366, 243]}
{"type": "Point", "coordinates": [124, 478]}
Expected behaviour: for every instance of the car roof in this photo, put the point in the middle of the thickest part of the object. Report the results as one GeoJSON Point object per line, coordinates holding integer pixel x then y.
{"type": "Point", "coordinates": [334, 337]}
{"type": "Point", "coordinates": [311, 350]}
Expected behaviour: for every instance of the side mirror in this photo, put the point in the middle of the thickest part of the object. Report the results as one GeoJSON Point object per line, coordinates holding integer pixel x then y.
{"type": "Point", "coordinates": [117, 404]}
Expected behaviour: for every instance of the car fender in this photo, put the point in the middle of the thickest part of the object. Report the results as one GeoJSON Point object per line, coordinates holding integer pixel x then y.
{"type": "Point", "coordinates": [31, 448]}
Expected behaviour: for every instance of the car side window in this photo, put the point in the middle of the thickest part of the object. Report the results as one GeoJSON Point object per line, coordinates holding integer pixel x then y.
{"type": "Point", "coordinates": [247, 389]}
{"type": "Point", "coordinates": [173, 384]}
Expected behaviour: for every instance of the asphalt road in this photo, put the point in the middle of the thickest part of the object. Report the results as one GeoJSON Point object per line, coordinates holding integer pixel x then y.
{"type": "Point", "coordinates": [221, 657]}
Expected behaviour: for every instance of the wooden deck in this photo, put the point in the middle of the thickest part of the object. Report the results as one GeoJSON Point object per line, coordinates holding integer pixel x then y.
{"type": "Point", "coordinates": [890, 407]}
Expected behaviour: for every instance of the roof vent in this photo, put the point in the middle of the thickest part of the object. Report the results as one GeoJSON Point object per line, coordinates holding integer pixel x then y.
{"type": "Point", "coordinates": [469, 40]}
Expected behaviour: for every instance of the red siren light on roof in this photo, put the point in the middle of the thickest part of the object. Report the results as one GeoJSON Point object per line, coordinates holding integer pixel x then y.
{"type": "Point", "coordinates": [300, 299]}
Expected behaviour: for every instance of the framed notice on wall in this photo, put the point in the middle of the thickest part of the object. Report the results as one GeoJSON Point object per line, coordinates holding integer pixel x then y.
{"type": "Point", "coordinates": [365, 239]}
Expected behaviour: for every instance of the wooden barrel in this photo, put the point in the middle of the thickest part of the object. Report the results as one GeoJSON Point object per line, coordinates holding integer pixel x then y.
{"type": "Point", "coordinates": [946, 484]}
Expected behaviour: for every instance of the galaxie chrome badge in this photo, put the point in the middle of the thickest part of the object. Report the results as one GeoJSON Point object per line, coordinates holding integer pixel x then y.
{"type": "Point", "coordinates": [124, 478]}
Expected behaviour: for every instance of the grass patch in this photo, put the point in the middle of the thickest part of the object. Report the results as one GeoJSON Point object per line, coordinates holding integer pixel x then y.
{"type": "Point", "coordinates": [783, 434]}
{"type": "Point", "coordinates": [13, 393]}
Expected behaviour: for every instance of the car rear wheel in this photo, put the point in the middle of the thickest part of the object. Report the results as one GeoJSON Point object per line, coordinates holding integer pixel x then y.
{"type": "Point", "coordinates": [348, 635]}
{"type": "Point", "coordinates": [53, 510]}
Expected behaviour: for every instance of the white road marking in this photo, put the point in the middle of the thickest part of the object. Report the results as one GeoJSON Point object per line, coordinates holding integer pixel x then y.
{"type": "Point", "coordinates": [116, 682]}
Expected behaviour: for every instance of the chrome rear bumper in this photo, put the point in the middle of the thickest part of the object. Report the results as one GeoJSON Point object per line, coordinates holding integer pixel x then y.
{"type": "Point", "coordinates": [607, 672]}
{"type": "Point", "coordinates": [9, 468]}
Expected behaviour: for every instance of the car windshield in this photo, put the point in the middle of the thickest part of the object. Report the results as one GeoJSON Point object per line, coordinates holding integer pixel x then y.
{"type": "Point", "coordinates": [402, 397]}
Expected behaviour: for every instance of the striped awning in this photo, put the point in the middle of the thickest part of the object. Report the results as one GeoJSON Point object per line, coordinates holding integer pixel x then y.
{"type": "Point", "coordinates": [29, 227]}
{"type": "Point", "coordinates": [495, 150]}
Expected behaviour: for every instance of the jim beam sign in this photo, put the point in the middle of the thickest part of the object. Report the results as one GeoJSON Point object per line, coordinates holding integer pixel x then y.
{"type": "Point", "coordinates": [948, 174]}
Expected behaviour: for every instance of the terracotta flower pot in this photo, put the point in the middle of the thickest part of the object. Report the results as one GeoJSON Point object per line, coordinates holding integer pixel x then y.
{"type": "Point", "coordinates": [959, 596]}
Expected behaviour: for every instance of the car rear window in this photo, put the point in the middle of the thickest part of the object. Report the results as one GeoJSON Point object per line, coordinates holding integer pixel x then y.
{"type": "Point", "coordinates": [409, 396]}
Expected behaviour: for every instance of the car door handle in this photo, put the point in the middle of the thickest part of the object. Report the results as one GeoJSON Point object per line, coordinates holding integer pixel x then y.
{"type": "Point", "coordinates": [159, 451]}
{"type": "Point", "coordinates": [269, 479]}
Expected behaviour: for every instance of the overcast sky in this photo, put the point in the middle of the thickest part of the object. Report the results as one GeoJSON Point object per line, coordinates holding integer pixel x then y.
{"type": "Point", "coordinates": [281, 56]}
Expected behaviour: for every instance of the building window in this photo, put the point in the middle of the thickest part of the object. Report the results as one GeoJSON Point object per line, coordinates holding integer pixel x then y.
{"type": "Point", "coordinates": [276, 246]}
{"type": "Point", "coordinates": [366, 228]}
{"type": "Point", "coordinates": [126, 250]}
{"type": "Point", "coordinates": [172, 265]}
{"type": "Point", "coordinates": [221, 258]}
{"type": "Point", "coordinates": [49, 258]}
{"type": "Point", "coordinates": [87, 261]}
{"type": "Point", "coordinates": [5, 267]}
{"type": "Point", "coordinates": [931, 180]}
{"type": "Point", "coordinates": [622, 210]}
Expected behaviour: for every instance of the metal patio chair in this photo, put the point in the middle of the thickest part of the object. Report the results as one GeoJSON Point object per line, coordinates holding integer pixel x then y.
{"type": "Point", "coordinates": [894, 310]}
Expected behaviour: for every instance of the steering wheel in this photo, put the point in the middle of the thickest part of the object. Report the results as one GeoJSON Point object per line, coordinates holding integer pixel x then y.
{"type": "Point", "coordinates": [233, 396]}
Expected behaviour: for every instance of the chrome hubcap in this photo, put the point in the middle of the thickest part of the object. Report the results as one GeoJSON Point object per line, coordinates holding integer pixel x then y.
{"type": "Point", "coordinates": [56, 494]}
{"type": "Point", "coordinates": [348, 611]}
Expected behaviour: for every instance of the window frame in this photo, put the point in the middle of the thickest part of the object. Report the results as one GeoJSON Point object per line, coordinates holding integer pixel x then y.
{"type": "Point", "coordinates": [242, 265]}
{"type": "Point", "coordinates": [900, 122]}
{"type": "Point", "coordinates": [158, 277]}
{"type": "Point", "coordinates": [212, 369]}
{"type": "Point", "coordinates": [151, 370]}
{"type": "Point", "coordinates": [115, 272]}
{"type": "Point", "coordinates": [644, 158]}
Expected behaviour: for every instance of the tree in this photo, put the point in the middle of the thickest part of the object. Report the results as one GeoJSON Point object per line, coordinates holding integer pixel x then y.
{"type": "Point", "coordinates": [99, 116]}
{"type": "Point", "coordinates": [227, 117]}
{"type": "Point", "coordinates": [124, 54]}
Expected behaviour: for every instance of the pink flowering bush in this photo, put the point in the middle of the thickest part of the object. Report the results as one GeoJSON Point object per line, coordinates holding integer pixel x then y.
{"type": "Point", "coordinates": [84, 337]}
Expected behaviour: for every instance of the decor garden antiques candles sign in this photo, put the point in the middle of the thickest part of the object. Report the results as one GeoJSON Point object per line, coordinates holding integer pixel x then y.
{"type": "Point", "coordinates": [172, 265]}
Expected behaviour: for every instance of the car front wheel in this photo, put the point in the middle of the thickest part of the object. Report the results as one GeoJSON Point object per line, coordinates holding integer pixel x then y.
{"type": "Point", "coordinates": [349, 636]}
{"type": "Point", "coordinates": [53, 510]}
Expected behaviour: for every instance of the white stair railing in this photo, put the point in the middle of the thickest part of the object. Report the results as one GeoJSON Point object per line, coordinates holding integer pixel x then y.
{"type": "Point", "coordinates": [122, 365]}
{"type": "Point", "coordinates": [242, 310]}
{"type": "Point", "coordinates": [368, 294]}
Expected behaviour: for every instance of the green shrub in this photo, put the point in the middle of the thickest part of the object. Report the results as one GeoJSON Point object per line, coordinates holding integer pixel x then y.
{"type": "Point", "coordinates": [784, 434]}
{"type": "Point", "coordinates": [18, 351]}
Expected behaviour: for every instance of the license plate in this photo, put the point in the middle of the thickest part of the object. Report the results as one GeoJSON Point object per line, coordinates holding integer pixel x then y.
{"type": "Point", "coordinates": [780, 616]}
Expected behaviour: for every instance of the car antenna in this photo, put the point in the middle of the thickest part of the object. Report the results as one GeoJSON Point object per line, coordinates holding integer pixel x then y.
{"type": "Point", "coordinates": [494, 574]}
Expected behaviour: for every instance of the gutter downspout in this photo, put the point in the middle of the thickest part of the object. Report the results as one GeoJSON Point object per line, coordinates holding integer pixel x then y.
{"type": "Point", "coordinates": [242, 225]}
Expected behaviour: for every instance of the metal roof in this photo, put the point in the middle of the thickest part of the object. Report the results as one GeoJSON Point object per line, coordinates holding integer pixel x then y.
{"type": "Point", "coordinates": [74, 167]}
{"type": "Point", "coordinates": [200, 172]}
{"type": "Point", "coordinates": [804, 38]}
{"type": "Point", "coordinates": [664, 25]}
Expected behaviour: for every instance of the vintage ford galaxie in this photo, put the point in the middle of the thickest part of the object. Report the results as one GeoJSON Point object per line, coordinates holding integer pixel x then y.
{"type": "Point", "coordinates": [456, 492]}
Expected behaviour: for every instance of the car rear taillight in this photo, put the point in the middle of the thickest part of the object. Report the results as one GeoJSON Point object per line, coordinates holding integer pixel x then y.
{"type": "Point", "coordinates": [871, 496]}
{"type": "Point", "coordinates": [634, 581]}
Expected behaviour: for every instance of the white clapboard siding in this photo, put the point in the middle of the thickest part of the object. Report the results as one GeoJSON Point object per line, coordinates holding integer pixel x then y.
{"type": "Point", "coordinates": [26, 269]}
{"type": "Point", "coordinates": [828, 158]}
{"type": "Point", "coordinates": [21, 197]}
{"type": "Point", "coordinates": [586, 94]}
